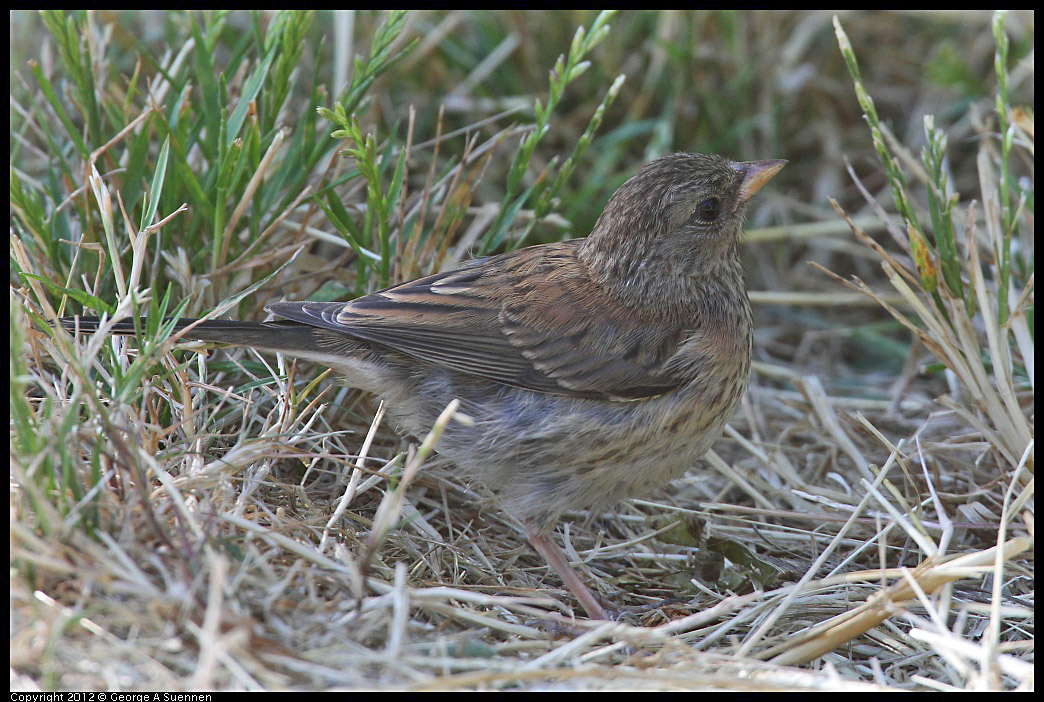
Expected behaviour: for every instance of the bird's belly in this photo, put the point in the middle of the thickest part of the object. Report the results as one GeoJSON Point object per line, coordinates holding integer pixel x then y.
{"type": "Point", "coordinates": [547, 454]}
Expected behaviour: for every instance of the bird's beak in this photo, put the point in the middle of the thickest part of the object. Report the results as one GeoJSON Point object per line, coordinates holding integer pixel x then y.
{"type": "Point", "coordinates": [755, 175]}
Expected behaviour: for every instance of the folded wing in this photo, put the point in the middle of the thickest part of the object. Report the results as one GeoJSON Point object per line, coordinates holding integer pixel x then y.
{"type": "Point", "coordinates": [530, 319]}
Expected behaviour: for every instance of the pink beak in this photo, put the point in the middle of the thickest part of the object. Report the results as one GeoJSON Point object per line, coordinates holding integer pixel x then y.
{"type": "Point", "coordinates": [756, 174]}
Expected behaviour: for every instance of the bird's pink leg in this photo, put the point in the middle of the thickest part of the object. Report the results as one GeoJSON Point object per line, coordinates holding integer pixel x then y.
{"type": "Point", "coordinates": [557, 560]}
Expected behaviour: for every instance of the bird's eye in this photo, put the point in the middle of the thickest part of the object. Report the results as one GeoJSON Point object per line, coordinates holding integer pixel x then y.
{"type": "Point", "coordinates": [709, 209]}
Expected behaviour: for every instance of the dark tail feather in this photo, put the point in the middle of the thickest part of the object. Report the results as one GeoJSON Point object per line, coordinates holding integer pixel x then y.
{"type": "Point", "coordinates": [290, 337]}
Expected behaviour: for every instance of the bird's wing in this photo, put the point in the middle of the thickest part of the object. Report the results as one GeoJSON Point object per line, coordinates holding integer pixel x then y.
{"type": "Point", "coordinates": [530, 319]}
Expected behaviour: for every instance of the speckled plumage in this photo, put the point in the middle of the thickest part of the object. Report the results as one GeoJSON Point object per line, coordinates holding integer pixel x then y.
{"type": "Point", "coordinates": [594, 369]}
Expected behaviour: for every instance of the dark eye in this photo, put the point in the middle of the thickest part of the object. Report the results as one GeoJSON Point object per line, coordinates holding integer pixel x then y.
{"type": "Point", "coordinates": [709, 209]}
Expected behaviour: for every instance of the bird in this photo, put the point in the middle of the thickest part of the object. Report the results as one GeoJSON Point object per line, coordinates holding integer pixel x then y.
{"type": "Point", "coordinates": [593, 369]}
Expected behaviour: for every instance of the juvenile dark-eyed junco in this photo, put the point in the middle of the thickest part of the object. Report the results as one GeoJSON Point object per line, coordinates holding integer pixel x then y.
{"type": "Point", "coordinates": [594, 369]}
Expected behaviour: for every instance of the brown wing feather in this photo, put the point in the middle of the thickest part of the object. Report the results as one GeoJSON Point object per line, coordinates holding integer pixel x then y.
{"type": "Point", "coordinates": [523, 319]}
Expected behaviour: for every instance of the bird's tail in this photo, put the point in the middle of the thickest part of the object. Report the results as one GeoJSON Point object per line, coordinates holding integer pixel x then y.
{"type": "Point", "coordinates": [288, 337]}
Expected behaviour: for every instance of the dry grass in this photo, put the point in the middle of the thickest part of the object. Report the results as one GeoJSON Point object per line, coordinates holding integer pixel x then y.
{"type": "Point", "coordinates": [866, 523]}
